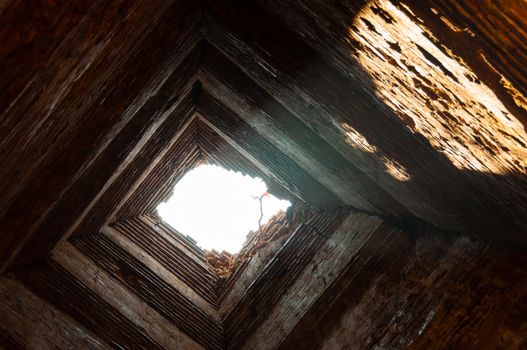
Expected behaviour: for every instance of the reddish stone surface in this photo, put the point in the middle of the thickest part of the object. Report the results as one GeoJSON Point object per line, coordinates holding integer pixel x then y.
{"type": "Point", "coordinates": [410, 115]}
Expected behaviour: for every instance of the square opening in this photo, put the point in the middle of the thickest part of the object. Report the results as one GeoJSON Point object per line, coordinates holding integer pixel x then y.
{"type": "Point", "coordinates": [218, 207]}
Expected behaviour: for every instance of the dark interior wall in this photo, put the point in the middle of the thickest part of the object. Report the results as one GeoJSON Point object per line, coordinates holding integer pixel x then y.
{"type": "Point", "coordinates": [407, 109]}
{"type": "Point", "coordinates": [29, 322]}
{"type": "Point", "coordinates": [411, 287]}
{"type": "Point", "coordinates": [421, 289]}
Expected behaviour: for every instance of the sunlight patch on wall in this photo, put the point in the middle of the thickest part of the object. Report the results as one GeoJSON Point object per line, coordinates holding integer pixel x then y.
{"type": "Point", "coordinates": [435, 93]}
{"type": "Point", "coordinates": [218, 208]}
{"type": "Point", "coordinates": [396, 170]}
{"type": "Point", "coordinates": [355, 139]}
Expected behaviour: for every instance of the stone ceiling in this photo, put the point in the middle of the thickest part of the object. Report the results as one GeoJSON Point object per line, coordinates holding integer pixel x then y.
{"type": "Point", "coordinates": [383, 116]}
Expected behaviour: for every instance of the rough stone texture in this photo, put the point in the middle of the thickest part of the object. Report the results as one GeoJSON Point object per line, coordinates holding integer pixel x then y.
{"type": "Point", "coordinates": [317, 275]}
{"type": "Point", "coordinates": [151, 288]}
{"type": "Point", "coordinates": [411, 114]}
{"type": "Point", "coordinates": [164, 332]}
{"type": "Point", "coordinates": [179, 269]}
{"type": "Point", "coordinates": [421, 289]}
{"type": "Point", "coordinates": [30, 323]}
{"type": "Point", "coordinates": [79, 117]}
{"type": "Point", "coordinates": [365, 104]}
{"type": "Point", "coordinates": [273, 283]}
{"type": "Point", "coordinates": [60, 288]}
{"type": "Point", "coordinates": [333, 87]}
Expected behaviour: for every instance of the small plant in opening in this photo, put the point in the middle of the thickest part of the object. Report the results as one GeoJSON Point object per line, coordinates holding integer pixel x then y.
{"type": "Point", "coordinates": [217, 207]}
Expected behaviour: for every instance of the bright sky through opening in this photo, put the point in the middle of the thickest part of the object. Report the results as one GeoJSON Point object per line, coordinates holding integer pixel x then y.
{"type": "Point", "coordinates": [217, 208]}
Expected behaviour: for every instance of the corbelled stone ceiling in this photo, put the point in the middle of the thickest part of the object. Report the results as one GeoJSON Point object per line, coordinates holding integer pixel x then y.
{"type": "Point", "coordinates": [397, 128]}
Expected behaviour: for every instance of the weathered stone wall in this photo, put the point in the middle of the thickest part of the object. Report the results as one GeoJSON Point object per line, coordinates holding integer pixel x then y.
{"type": "Point", "coordinates": [28, 322]}
{"type": "Point", "coordinates": [421, 289]}
{"type": "Point", "coordinates": [408, 109]}
{"type": "Point", "coordinates": [372, 284]}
